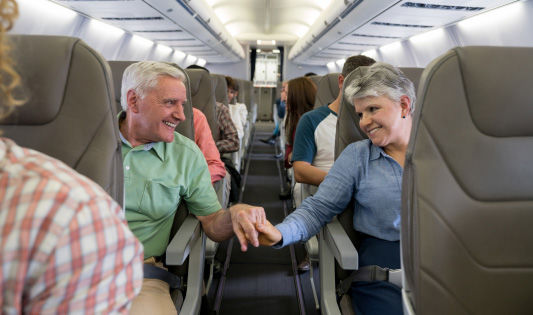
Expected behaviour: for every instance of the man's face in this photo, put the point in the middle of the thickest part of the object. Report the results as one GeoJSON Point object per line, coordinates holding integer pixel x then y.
{"type": "Point", "coordinates": [160, 110]}
{"type": "Point", "coordinates": [231, 94]}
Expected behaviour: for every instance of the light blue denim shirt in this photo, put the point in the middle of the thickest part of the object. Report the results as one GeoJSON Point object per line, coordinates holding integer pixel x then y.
{"type": "Point", "coordinates": [365, 173]}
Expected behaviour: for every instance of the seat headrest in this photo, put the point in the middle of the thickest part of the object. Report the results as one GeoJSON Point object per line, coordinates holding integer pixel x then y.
{"type": "Point", "coordinates": [328, 89]}
{"type": "Point", "coordinates": [413, 74]}
{"type": "Point", "coordinates": [347, 121]}
{"type": "Point", "coordinates": [497, 84]}
{"type": "Point", "coordinates": [46, 77]}
{"type": "Point", "coordinates": [197, 78]}
{"type": "Point", "coordinates": [221, 88]}
{"type": "Point", "coordinates": [117, 68]}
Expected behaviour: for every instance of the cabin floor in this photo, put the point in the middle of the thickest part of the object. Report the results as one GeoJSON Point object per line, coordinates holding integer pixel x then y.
{"type": "Point", "coordinates": [262, 280]}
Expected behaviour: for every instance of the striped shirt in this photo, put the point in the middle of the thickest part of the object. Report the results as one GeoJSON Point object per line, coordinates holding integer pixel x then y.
{"type": "Point", "coordinates": [64, 244]}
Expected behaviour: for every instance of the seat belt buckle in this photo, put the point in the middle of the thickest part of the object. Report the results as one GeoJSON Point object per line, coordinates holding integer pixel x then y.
{"type": "Point", "coordinates": [395, 277]}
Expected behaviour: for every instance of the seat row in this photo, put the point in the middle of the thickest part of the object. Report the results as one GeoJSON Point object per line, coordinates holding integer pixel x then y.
{"type": "Point", "coordinates": [72, 103]}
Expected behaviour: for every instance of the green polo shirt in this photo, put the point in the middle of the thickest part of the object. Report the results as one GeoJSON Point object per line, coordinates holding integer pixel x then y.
{"type": "Point", "coordinates": [156, 177]}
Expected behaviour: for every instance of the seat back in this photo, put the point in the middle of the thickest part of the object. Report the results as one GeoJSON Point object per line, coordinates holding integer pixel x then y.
{"type": "Point", "coordinates": [203, 97]}
{"type": "Point", "coordinates": [413, 74]}
{"type": "Point", "coordinates": [467, 196]}
{"type": "Point", "coordinates": [221, 88]}
{"type": "Point", "coordinates": [70, 111]}
{"type": "Point", "coordinates": [315, 79]}
{"type": "Point", "coordinates": [185, 128]}
{"type": "Point", "coordinates": [242, 91]}
{"type": "Point", "coordinates": [327, 89]}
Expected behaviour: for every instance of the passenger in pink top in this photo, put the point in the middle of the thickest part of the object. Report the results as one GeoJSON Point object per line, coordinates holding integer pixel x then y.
{"type": "Point", "coordinates": [204, 140]}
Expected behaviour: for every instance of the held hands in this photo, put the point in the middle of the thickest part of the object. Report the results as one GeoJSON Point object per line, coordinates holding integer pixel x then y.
{"type": "Point", "coordinates": [244, 219]}
{"type": "Point", "coordinates": [251, 226]}
{"type": "Point", "coordinates": [268, 234]}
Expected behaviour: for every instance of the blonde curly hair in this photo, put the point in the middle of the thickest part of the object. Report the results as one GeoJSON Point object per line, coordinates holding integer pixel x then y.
{"type": "Point", "coordinates": [9, 78]}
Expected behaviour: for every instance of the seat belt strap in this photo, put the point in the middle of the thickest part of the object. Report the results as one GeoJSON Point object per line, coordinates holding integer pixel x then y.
{"type": "Point", "coordinates": [368, 274]}
{"type": "Point", "coordinates": [153, 272]}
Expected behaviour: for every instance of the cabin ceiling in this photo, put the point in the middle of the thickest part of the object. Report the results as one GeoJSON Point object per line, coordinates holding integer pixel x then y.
{"type": "Point", "coordinates": [319, 31]}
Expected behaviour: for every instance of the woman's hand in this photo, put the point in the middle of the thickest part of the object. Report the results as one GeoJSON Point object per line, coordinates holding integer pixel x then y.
{"type": "Point", "coordinates": [268, 234]}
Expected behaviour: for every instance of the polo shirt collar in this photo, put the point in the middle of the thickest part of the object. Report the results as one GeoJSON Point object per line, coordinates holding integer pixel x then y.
{"type": "Point", "coordinates": [158, 147]}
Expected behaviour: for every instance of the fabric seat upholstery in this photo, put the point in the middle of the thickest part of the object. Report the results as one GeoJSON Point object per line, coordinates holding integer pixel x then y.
{"type": "Point", "coordinates": [69, 112]}
{"type": "Point", "coordinates": [467, 196]}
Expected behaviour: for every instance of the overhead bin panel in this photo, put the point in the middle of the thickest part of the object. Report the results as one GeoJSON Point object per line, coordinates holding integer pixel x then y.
{"type": "Point", "coordinates": [171, 23]}
{"type": "Point", "coordinates": [365, 22]}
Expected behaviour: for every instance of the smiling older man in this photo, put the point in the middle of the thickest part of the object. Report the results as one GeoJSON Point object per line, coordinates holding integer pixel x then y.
{"type": "Point", "coordinates": [161, 167]}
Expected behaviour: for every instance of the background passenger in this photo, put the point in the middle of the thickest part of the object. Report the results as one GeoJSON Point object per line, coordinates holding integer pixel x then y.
{"type": "Point", "coordinates": [281, 104]}
{"type": "Point", "coordinates": [314, 142]}
{"type": "Point", "coordinates": [228, 136]}
{"type": "Point", "coordinates": [161, 167]}
{"type": "Point", "coordinates": [234, 110]}
{"type": "Point", "coordinates": [370, 173]}
{"type": "Point", "coordinates": [64, 243]}
{"type": "Point", "coordinates": [301, 93]}
{"type": "Point", "coordinates": [204, 140]}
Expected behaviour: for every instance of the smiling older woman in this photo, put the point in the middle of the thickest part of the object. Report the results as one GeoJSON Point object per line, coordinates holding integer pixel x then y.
{"type": "Point", "coordinates": [370, 173]}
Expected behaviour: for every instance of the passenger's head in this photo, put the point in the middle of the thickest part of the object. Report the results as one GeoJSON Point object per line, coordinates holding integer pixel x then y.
{"type": "Point", "coordinates": [350, 65]}
{"type": "Point", "coordinates": [153, 94]}
{"type": "Point", "coordinates": [233, 88]}
{"type": "Point", "coordinates": [300, 99]}
{"type": "Point", "coordinates": [309, 74]}
{"type": "Point", "coordinates": [384, 99]}
{"type": "Point", "coordinates": [355, 62]}
{"type": "Point", "coordinates": [9, 79]}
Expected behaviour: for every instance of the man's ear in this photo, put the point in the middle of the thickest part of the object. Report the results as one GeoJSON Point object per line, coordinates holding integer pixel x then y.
{"type": "Point", "coordinates": [133, 100]}
{"type": "Point", "coordinates": [341, 81]}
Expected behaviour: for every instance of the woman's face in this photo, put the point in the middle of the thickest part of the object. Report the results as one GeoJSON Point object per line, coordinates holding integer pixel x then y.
{"type": "Point", "coordinates": [381, 119]}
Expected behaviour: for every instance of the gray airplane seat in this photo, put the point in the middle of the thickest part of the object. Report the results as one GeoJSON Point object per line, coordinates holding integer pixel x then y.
{"type": "Point", "coordinates": [413, 74]}
{"type": "Point", "coordinates": [242, 91]}
{"type": "Point", "coordinates": [221, 95]}
{"type": "Point", "coordinates": [327, 89]}
{"type": "Point", "coordinates": [221, 88]}
{"type": "Point", "coordinates": [467, 195]}
{"type": "Point", "coordinates": [315, 79]}
{"type": "Point", "coordinates": [185, 253]}
{"type": "Point", "coordinates": [338, 239]}
{"type": "Point", "coordinates": [70, 111]}
{"type": "Point", "coordinates": [203, 97]}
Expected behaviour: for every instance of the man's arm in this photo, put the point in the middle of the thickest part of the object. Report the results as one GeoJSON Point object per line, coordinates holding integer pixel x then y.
{"type": "Point", "coordinates": [306, 173]}
{"type": "Point", "coordinates": [239, 219]}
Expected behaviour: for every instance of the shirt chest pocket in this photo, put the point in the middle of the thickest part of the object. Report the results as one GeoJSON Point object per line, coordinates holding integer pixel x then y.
{"type": "Point", "coordinates": [159, 200]}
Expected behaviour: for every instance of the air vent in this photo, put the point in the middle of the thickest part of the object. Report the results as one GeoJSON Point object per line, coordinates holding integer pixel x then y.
{"type": "Point", "coordinates": [401, 25]}
{"type": "Point", "coordinates": [441, 7]}
{"type": "Point", "coordinates": [148, 18]}
{"type": "Point", "coordinates": [355, 44]}
{"type": "Point", "coordinates": [158, 31]}
{"type": "Point", "coordinates": [375, 36]}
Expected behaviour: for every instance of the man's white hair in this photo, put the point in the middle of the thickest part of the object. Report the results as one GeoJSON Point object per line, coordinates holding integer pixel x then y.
{"type": "Point", "coordinates": [143, 76]}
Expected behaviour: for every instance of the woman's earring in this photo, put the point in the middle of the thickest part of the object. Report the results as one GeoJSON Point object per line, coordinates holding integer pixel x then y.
{"type": "Point", "coordinates": [403, 117]}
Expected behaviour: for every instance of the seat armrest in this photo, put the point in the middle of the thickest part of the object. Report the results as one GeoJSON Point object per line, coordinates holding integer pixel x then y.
{"type": "Point", "coordinates": [340, 245]}
{"type": "Point", "coordinates": [182, 242]}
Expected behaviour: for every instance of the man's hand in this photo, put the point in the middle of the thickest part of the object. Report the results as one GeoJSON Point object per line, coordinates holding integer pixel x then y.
{"type": "Point", "coordinates": [244, 219]}
{"type": "Point", "coordinates": [268, 234]}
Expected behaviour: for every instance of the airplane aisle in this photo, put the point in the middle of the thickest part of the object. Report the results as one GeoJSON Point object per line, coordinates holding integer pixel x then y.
{"type": "Point", "coordinates": [261, 280]}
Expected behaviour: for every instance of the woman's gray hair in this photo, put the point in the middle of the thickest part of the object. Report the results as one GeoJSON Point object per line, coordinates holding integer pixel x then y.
{"type": "Point", "coordinates": [380, 79]}
{"type": "Point", "coordinates": [144, 75]}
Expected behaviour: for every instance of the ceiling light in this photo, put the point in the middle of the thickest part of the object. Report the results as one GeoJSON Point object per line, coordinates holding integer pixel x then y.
{"type": "Point", "coordinates": [266, 42]}
{"type": "Point", "coordinates": [431, 36]}
{"type": "Point", "coordinates": [258, 50]}
{"type": "Point", "coordinates": [276, 51]}
{"type": "Point", "coordinates": [331, 65]}
{"type": "Point", "coordinates": [201, 62]}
